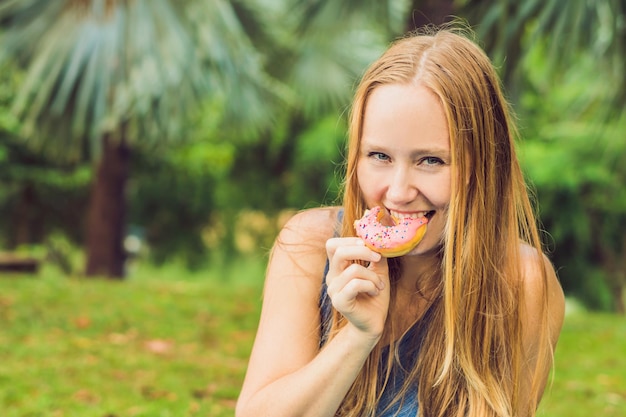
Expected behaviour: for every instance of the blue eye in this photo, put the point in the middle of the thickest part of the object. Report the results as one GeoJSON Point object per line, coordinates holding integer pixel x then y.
{"type": "Point", "coordinates": [379, 156]}
{"type": "Point", "coordinates": [432, 160]}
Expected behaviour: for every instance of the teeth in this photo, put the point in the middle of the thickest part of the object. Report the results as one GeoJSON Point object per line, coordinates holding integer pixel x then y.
{"type": "Point", "coordinates": [416, 215]}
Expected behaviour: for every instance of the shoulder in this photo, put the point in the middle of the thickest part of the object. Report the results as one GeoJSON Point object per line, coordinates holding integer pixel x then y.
{"type": "Point", "coordinates": [301, 244]}
{"type": "Point", "coordinates": [311, 227]}
{"type": "Point", "coordinates": [294, 277]}
{"type": "Point", "coordinates": [543, 295]}
{"type": "Point", "coordinates": [538, 274]}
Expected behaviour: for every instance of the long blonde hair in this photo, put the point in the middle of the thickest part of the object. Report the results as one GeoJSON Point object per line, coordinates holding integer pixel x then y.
{"type": "Point", "coordinates": [473, 366]}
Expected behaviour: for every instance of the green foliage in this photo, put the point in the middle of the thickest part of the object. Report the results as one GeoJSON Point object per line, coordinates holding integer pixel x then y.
{"type": "Point", "coordinates": [172, 198]}
{"type": "Point", "coordinates": [39, 196]}
{"type": "Point", "coordinates": [270, 136]}
{"type": "Point", "coordinates": [95, 66]}
{"type": "Point", "coordinates": [579, 169]}
{"type": "Point", "coordinates": [292, 166]}
{"type": "Point", "coordinates": [10, 78]}
{"type": "Point", "coordinates": [509, 29]}
{"type": "Point", "coordinates": [316, 170]}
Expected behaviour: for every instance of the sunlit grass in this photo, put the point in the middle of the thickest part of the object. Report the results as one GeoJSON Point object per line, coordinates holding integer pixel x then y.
{"type": "Point", "coordinates": [167, 342]}
{"type": "Point", "coordinates": [154, 345]}
{"type": "Point", "coordinates": [590, 371]}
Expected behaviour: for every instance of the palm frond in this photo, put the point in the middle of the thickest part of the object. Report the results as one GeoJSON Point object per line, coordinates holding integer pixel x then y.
{"type": "Point", "coordinates": [335, 43]}
{"type": "Point", "coordinates": [314, 15]}
{"type": "Point", "coordinates": [596, 28]}
{"type": "Point", "coordinates": [94, 65]}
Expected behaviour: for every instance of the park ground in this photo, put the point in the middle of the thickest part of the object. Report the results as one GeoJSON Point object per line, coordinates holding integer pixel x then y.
{"type": "Point", "coordinates": [167, 342]}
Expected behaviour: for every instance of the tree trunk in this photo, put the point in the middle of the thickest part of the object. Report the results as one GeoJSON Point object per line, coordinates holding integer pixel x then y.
{"type": "Point", "coordinates": [618, 299]}
{"type": "Point", "coordinates": [24, 218]}
{"type": "Point", "coordinates": [619, 280]}
{"type": "Point", "coordinates": [426, 12]}
{"type": "Point", "coordinates": [107, 211]}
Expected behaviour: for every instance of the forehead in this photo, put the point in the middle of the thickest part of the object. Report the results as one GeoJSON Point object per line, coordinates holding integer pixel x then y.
{"type": "Point", "coordinates": [405, 116]}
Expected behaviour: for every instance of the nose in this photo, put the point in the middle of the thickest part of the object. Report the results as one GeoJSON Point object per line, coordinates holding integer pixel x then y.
{"type": "Point", "coordinates": [402, 188]}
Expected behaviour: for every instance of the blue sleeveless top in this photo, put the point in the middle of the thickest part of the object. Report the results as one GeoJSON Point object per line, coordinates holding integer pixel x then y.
{"type": "Point", "coordinates": [408, 357]}
{"type": "Point", "coordinates": [407, 353]}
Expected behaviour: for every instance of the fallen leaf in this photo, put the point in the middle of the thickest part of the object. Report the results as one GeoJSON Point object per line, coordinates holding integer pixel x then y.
{"type": "Point", "coordinates": [159, 346]}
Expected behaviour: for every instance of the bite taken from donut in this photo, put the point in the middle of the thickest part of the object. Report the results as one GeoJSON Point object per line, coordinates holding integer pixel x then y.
{"type": "Point", "coordinates": [393, 240]}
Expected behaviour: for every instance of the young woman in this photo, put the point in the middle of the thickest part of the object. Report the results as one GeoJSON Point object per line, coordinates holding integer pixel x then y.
{"type": "Point", "coordinates": [465, 324]}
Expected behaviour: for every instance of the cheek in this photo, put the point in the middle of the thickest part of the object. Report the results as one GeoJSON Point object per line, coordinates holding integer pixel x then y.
{"type": "Point", "coordinates": [368, 182]}
{"type": "Point", "coordinates": [443, 196]}
{"type": "Point", "coordinates": [439, 191]}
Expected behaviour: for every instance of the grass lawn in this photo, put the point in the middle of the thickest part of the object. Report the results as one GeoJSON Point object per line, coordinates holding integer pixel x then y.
{"type": "Point", "coordinates": [590, 368]}
{"type": "Point", "coordinates": [170, 343]}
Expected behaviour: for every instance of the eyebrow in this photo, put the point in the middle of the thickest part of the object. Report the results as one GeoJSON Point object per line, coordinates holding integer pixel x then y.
{"type": "Point", "coordinates": [416, 153]}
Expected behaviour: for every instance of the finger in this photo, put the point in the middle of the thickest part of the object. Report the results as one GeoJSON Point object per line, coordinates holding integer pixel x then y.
{"type": "Point", "coordinates": [336, 283]}
{"type": "Point", "coordinates": [379, 266]}
{"type": "Point", "coordinates": [336, 242]}
{"type": "Point", "coordinates": [344, 253]}
{"type": "Point", "coordinates": [345, 256]}
{"type": "Point", "coordinates": [381, 269]}
{"type": "Point", "coordinates": [344, 300]}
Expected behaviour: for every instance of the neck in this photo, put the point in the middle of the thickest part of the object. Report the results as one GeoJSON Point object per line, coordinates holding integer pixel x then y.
{"type": "Point", "coordinates": [420, 273]}
{"type": "Point", "coordinates": [414, 291]}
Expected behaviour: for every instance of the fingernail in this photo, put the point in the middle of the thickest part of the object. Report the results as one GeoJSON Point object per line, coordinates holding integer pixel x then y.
{"type": "Point", "coordinates": [381, 285]}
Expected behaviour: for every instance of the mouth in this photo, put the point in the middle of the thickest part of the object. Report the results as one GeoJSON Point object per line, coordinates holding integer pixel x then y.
{"type": "Point", "coordinates": [415, 215]}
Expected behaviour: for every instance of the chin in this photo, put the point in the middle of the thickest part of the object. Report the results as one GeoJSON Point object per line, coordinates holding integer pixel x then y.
{"type": "Point", "coordinates": [425, 248]}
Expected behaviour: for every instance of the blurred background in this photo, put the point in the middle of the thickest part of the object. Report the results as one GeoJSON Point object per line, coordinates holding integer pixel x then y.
{"type": "Point", "coordinates": [150, 150]}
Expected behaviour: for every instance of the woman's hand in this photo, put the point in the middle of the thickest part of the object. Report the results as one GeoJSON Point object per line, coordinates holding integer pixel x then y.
{"type": "Point", "coordinates": [360, 293]}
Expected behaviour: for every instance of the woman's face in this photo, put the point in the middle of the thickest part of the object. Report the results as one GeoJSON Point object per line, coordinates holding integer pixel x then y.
{"type": "Point", "coordinates": [405, 159]}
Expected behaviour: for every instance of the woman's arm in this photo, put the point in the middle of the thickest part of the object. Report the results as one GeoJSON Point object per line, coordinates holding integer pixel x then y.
{"type": "Point", "coordinates": [288, 375]}
{"type": "Point", "coordinates": [544, 311]}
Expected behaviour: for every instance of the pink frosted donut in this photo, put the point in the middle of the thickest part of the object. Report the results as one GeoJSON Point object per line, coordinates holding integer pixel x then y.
{"type": "Point", "coordinates": [390, 241]}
